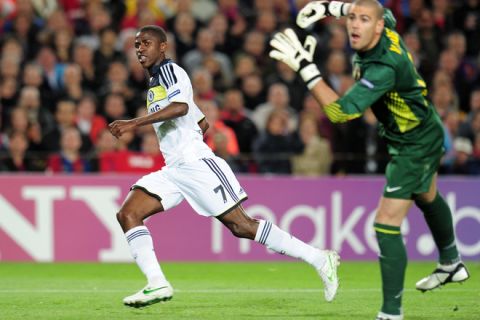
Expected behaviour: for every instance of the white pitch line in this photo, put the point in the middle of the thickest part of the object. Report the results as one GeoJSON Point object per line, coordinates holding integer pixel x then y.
{"type": "Point", "coordinates": [216, 291]}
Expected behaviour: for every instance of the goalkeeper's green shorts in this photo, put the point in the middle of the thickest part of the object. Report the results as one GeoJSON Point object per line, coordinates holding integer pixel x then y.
{"type": "Point", "coordinates": [413, 165]}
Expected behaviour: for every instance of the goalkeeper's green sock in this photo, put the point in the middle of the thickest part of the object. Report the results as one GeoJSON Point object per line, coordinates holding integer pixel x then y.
{"type": "Point", "coordinates": [393, 262]}
{"type": "Point", "coordinates": [439, 220]}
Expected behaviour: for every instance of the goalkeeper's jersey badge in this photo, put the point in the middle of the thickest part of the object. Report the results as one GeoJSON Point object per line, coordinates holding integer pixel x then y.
{"type": "Point", "coordinates": [357, 72]}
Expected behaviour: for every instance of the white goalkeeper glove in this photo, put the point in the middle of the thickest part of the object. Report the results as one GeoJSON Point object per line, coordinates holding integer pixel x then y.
{"type": "Point", "coordinates": [288, 49]}
{"type": "Point", "coordinates": [317, 10]}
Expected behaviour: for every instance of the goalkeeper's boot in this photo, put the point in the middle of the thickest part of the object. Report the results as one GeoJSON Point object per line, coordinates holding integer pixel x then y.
{"type": "Point", "coordinates": [384, 316]}
{"type": "Point", "coordinates": [443, 275]}
{"type": "Point", "coordinates": [149, 295]}
{"type": "Point", "coordinates": [328, 274]}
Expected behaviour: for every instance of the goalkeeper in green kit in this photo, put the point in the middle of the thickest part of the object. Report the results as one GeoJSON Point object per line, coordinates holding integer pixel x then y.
{"type": "Point", "coordinates": [388, 83]}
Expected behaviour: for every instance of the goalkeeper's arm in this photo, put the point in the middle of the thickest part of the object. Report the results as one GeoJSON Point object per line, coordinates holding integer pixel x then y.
{"type": "Point", "coordinates": [288, 49]}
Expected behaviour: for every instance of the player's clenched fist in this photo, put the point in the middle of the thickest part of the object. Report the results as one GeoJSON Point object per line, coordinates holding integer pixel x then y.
{"type": "Point", "coordinates": [119, 127]}
{"type": "Point", "coordinates": [288, 49]}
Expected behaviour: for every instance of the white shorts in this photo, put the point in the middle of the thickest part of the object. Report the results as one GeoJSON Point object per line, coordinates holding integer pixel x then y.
{"type": "Point", "coordinates": [208, 184]}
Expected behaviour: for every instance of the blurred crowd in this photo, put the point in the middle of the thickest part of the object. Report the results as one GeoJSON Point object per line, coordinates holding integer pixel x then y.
{"type": "Point", "coordinates": [68, 68]}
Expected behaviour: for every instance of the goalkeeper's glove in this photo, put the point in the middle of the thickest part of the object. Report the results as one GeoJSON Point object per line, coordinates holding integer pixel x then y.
{"type": "Point", "coordinates": [288, 49]}
{"type": "Point", "coordinates": [317, 10]}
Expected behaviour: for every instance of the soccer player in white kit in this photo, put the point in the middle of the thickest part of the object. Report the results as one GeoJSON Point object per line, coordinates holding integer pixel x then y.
{"type": "Point", "coordinates": [194, 173]}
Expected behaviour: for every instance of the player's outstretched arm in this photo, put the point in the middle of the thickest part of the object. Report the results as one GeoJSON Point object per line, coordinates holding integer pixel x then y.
{"type": "Point", "coordinates": [172, 111]}
{"type": "Point", "coordinates": [317, 10]}
{"type": "Point", "coordinates": [288, 49]}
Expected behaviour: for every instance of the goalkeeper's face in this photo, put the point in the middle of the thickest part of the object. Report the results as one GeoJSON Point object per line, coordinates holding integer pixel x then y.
{"type": "Point", "coordinates": [364, 26]}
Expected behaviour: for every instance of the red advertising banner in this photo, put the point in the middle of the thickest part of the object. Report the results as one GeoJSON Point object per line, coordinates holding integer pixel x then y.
{"type": "Point", "coordinates": [73, 218]}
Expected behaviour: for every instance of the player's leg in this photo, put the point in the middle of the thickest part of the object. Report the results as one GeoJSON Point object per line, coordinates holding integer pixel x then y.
{"type": "Point", "coordinates": [137, 206]}
{"type": "Point", "coordinates": [393, 255]}
{"type": "Point", "coordinates": [439, 219]}
{"type": "Point", "coordinates": [268, 234]}
{"type": "Point", "coordinates": [151, 194]}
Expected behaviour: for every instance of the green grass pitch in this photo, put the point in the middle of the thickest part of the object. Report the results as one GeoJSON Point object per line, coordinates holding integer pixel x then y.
{"type": "Point", "coordinates": [273, 290]}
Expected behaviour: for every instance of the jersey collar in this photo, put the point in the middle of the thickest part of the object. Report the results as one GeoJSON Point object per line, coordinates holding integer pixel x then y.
{"type": "Point", "coordinates": [156, 68]}
{"type": "Point", "coordinates": [375, 50]}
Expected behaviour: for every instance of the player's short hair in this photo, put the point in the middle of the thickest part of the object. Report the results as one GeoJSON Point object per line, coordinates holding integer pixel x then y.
{"type": "Point", "coordinates": [157, 31]}
{"type": "Point", "coordinates": [371, 3]}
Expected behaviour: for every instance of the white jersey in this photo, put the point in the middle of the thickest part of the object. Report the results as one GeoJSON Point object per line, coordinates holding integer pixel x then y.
{"type": "Point", "coordinates": [180, 139]}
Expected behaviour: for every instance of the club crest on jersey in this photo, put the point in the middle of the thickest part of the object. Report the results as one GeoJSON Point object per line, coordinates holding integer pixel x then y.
{"type": "Point", "coordinates": [357, 72]}
{"type": "Point", "coordinates": [150, 96]}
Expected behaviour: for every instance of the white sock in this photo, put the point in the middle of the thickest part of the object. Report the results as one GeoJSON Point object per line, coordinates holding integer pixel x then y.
{"type": "Point", "coordinates": [448, 267]}
{"type": "Point", "coordinates": [141, 247]}
{"type": "Point", "coordinates": [280, 241]}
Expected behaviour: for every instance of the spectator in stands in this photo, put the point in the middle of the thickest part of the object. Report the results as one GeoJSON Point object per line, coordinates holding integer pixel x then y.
{"type": "Point", "coordinates": [30, 101]}
{"type": "Point", "coordinates": [72, 83]}
{"type": "Point", "coordinates": [467, 71]}
{"type": "Point", "coordinates": [25, 31]}
{"type": "Point", "coordinates": [335, 68]}
{"type": "Point", "coordinates": [116, 82]}
{"type": "Point", "coordinates": [278, 99]}
{"type": "Point", "coordinates": [70, 158]}
{"type": "Point", "coordinates": [430, 39]}
{"type": "Point", "coordinates": [9, 91]}
{"type": "Point", "coordinates": [83, 57]}
{"type": "Point", "coordinates": [87, 120]}
{"type": "Point", "coordinates": [219, 25]}
{"type": "Point", "coordinates": [217, 126]}
{"type": "Point", "coordinates": [202, 84]}
{"type": "Point", "coordinates": [244, 65]}
{"type": "Point", "coordinates": [266, 22]}
{"type": "Point", "coordinates": [63, 45]}
{"type": "Point", "coordinates": [95, 18]}
{"type": "Point", "coordinates": [275, 146]}
{"type": "Point", "coordinates": [55, 22]}
{"type": "Point", "coordinates": [311, 108]}
{"type": "Point", "coordinates": [212, 65]}
{"type": "Point", "coordinates": [235, 116]}
{"type": "Point", "coordinates": [463, 162]}
{"type": "Point", "coordinates": [253, 91]}
{"type": "Point", "coordinates": [17, 122]}
{"type": "Point", "coordinates": [451, 123]}
{"type": "Point", "coordinates": [18, 158]}
{"type": "Point", "coordinates": [114, 107]}
{"type": "Point", "coordinates": [295, 85]}
{"type": "Point", "coordinates": [184, 27]}
{"type": "Point", "coordinates": [32, 76]}
{"type": "Point", "coordinates": [12, 48]}
{"type": "Point", "coordinates": [206, 47]}
{"type": "Point", "coordinates": [52, 71]}
{"type": "Point", "coordinates": [114, 156]}
{"type": "Point", "coordinates": [444, 100]}
{"type": "Point", "coordinates": [65, 119]}
{"type": "Point", "coordinates": [106, 52]}
{"type": "Point", "coordinates": [9, 67]}
{"type": "Point", "coordinates": [467, 19]}
{"type": "Point", "coordinates": [254, 45]}
{"type": "Point", "coordinates": [316, 157]}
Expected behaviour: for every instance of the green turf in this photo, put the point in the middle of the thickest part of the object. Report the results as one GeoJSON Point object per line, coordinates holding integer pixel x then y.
{"type": "Point", "coordinates": [283, 290]}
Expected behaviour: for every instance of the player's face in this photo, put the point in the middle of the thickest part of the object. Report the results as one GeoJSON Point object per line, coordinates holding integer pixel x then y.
{"type": "Point", "coordinates": [364, 27]}
{"type": "Point", "coordinates": [149, 48]}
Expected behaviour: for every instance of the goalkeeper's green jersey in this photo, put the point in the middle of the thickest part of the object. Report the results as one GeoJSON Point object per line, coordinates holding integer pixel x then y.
{"type": "Point", "coordinates": [387, 81]}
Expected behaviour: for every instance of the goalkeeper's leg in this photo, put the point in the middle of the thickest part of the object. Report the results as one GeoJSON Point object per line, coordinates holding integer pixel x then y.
{"type": "Point", "coordinates": [439, 219]}
{"type": "Point", "coordinates": [393, 255]}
